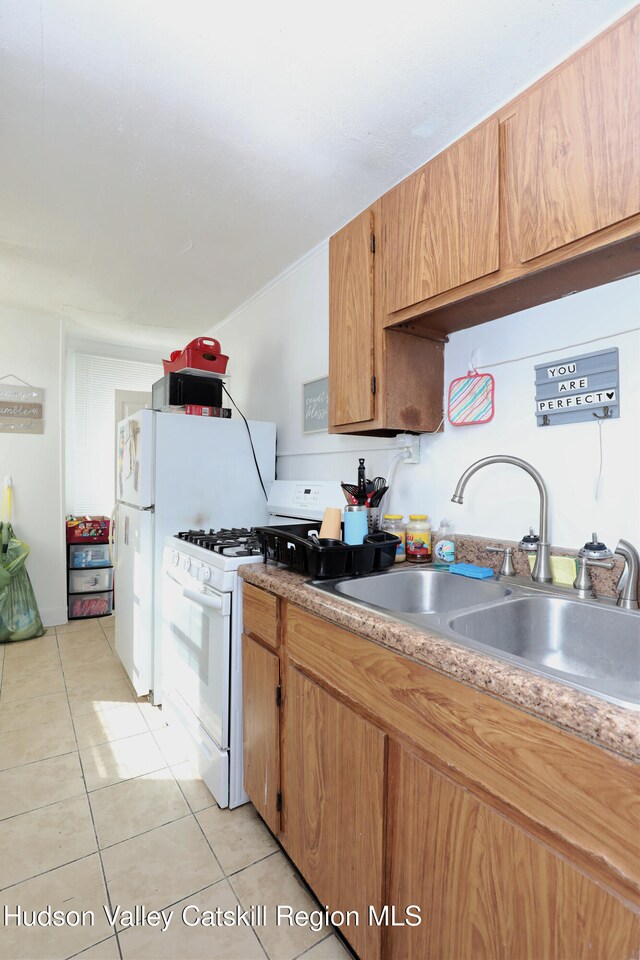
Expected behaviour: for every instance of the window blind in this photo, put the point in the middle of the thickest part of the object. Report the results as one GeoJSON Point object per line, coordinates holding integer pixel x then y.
{"type": "Point", "coordinates": [91, 447]}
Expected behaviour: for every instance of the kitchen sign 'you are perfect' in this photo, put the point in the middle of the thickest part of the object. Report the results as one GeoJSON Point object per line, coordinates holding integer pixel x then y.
{"type": "Point", "coordinates": [576, 389]}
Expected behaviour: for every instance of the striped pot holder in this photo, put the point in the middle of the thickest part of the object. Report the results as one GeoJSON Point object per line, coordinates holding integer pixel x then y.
{"type": "Point", "coordinates": [471, 399]}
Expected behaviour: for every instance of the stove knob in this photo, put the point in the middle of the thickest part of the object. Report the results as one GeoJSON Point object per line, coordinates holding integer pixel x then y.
{"type": "Point", "coordinates": [175, 557]}
{"type": "Point", "coordinates": [204, 573]}
{"type": "Point", "coordinates": [186, 564]}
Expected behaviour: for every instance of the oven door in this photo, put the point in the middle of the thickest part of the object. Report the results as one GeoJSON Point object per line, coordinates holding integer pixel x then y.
{"type": "Point", "coordinates": [197, 635]}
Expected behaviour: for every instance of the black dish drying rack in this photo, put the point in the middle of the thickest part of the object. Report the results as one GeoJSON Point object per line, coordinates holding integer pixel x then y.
{"type": "Point", "coordinates": [291, 546]}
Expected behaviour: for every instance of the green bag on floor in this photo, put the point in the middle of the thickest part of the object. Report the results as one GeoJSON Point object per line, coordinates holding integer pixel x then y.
{"type": "Point", "coordinates": [19, 616]}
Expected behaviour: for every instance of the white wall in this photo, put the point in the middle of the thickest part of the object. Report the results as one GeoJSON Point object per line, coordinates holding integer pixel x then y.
{"type": "Point", "coordinates": [500, 501]}
{"type": "Point", "coordinates": [280, 339]}
{"type": "Point", "coordinates": [276, 342]}
{"type": "Point", "coordinates": [32, 349]}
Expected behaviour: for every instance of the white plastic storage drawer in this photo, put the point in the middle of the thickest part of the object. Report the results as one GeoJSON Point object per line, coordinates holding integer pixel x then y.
{"type": "Point", "coordinates": [90, 605]}
{"type": "Point", "coordinates": [87, 581]}
{"type": "Point", "coordinates": [82, 556]}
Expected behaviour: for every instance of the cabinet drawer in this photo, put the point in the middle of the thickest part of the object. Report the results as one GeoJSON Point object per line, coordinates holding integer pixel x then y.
{"type": "Point", "coordinates": [260, 614]}
{"type": "Point", "coordinates": [89, 581]}
{"type": "Point", "coordinates": [82, 556]}
{"type": "Point", "coordinates": [90, 605]}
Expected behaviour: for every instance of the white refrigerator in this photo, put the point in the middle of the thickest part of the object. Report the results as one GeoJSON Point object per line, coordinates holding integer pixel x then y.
{"type": "Point", "coordinates": [175, 472]}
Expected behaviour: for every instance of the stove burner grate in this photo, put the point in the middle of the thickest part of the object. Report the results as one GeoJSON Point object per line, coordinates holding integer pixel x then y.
{"type": "Point", "coordinates": [228, 541]}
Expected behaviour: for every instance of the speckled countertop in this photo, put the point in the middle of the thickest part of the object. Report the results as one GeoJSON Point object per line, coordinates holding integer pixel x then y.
{"type": "Point", "coordinates": [615, 728]}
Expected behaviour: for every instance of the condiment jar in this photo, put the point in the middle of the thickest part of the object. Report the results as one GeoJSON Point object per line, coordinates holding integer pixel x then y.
{"type": "Point", "coordinates": [418, 538]}
{"type": "Point", "coordinates": [393, 523]}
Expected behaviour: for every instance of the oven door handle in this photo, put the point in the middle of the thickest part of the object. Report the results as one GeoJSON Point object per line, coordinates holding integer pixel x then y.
{"type": "Point", "coordinates": [206, 599]}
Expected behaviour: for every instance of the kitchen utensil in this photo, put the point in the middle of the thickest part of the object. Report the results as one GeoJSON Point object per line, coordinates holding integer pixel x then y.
{"type": "Point", "coordinates": [351, 490]}
{"type": "Point", "coordinates": [379, 483]}
{"type": "Point", "coordinates": [362, 483]}
{"type": "Point", "coordinates": [373, 500]}
{"type": "Point", "coordinates": [330, 528]}
{"type": "Point", "coordinates": [349, 497]}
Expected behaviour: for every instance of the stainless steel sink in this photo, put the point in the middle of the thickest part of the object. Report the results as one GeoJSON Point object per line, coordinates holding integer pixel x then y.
{"type": "Point", "coordinates": [418, 591]}
{"type": "Point", "coordinates": [589, 644]}
{"type": "Point", "coordinates": [597, 648]}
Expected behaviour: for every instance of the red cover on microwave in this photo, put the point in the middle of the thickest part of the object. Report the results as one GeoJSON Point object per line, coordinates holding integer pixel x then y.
{"type": "Point", "coordinates": [203, 353]}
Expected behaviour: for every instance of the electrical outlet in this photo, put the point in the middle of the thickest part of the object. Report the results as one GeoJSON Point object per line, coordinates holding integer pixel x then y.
{"type": "Point", "coordinates": [414, 448]}
{"type": "Point", "coordinates": [411, 445]}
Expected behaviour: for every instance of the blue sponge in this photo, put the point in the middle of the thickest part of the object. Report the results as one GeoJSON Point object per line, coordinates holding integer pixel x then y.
{"type": "Point", "coordinates": [471, 570]}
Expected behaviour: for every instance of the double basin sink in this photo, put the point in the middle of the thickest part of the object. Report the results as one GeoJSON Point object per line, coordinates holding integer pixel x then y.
{"type": "Point", "coordinates": [591, 645]}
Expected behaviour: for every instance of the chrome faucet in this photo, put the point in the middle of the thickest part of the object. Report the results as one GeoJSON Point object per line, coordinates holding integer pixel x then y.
{"type": "Point", "coordinates": [628, 583]}
{"type": "Point", "coordinates": [541, 572]}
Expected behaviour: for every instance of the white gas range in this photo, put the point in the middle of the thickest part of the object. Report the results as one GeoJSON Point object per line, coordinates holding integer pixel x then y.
{"type": "Point", "coordinates": [202, 631]}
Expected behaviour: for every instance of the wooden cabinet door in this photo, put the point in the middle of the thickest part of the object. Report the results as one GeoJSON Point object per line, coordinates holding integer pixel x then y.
{"type": "Point", "coordinates": [261, 729]}
{"type": "Point", "coordinates": [351, 398]}
{"type": "Point", "coordinates": [578, 144]}
{"type": "Point", "coordinates": [333, 782]}
{"type": "Point", "coordinates": [441, 223]}
{"type": "Point", "coordinates": [487, 889]}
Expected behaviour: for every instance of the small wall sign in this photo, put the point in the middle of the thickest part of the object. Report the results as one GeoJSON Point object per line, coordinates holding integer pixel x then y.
{"type": "Point", "coordinates": [579, 388]}
{"type": "Point", "coordinates": [33, 411]}
{"type": "Point", "coordinates": [21, 407]}
{"type": "Point", "coordinates": [20, 425]}
{"type": "Point", "coordinates": [21, 393]}
{"type": "Point", "coordinates": [315, 405]}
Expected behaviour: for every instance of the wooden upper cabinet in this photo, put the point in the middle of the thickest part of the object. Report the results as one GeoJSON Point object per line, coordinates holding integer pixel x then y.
{"type": "Point", "coordinates": [578, 144]}
{"type": "Point", "coordinates": [441, 224]}
{"type": "Point", "coordinates": [351, 332]}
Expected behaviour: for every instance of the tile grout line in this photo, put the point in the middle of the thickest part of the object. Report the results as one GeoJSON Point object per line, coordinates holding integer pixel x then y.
{"type": "Point", "coordinates": [188, 896]}
{"type": "Point", "coordinates": [308, 950]}
{"type": "Point", "coordinates": [29, 763]}
{"type": "Point", "coordinates": [42, 806]}
{"type": "Point", "coordinates": [112, 936]}
{"type": "Point", "coordinates": [253, 863]}
{"type": "Point", "coordinates": [237, 896]}
{"type": "Point", "coordinates": [136, 836]}
{"type": "Point", "coordinates": [93, 822]}
{"type": "Point", "coordinates": [43, 873]}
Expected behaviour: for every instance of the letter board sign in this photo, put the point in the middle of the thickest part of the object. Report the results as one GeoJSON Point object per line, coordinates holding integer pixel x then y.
{"type": "Point", "coordinates": [576, 389]}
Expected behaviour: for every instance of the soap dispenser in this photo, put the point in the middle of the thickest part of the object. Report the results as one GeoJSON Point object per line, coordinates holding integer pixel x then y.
{"type": "Point", "coordinates": [593, 554]}
{"type": "Point", "coordinates": [595, 549]}
{"type": "Point", "coordinates": [529, 542]}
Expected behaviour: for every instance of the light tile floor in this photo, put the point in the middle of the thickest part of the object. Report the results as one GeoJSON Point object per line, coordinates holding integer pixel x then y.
{"type": "Point", "coordinates": [101, 808]}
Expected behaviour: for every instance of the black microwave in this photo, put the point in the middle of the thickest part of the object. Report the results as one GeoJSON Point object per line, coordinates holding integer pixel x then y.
{"type": "Point", "coordinates": [178, 389]}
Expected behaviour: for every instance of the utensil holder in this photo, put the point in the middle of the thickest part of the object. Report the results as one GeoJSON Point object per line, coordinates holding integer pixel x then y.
{"type": "Point", "coordinates": [373, 519]}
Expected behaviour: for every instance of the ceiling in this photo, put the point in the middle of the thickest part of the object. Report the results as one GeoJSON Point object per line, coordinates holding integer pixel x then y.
{"type": "Point", "coordinates": [161, 160]}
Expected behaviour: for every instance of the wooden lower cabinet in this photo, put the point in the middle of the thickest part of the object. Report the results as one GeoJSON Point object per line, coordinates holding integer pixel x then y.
{"type": "Point", "coordinates": [487, 890]}
{"type": "Point", "coordinates": [404, 789]}
{"type": "Point", "coordinates": [261, 729]}
{"type": "Point", "coordinates": [333, 804]}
